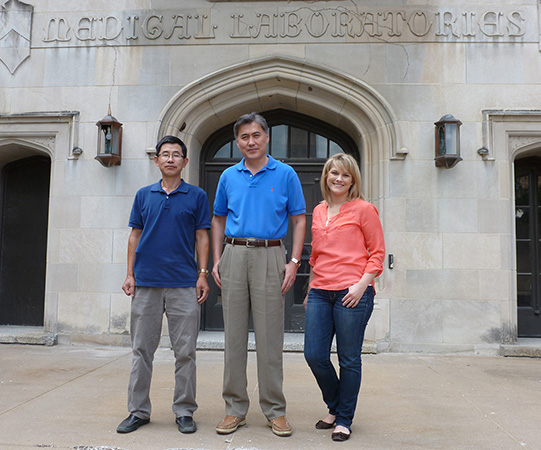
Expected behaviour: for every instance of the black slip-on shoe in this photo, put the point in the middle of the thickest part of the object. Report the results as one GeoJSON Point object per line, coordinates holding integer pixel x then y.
{"type": "Point", "coordinates": [186, 424]}
{"type": "Point", "coordinates": [131, 423]}
{"type": "Point", "coordinates": [322, 425]}
{"type": "Point", "coordinates": [338, 436]}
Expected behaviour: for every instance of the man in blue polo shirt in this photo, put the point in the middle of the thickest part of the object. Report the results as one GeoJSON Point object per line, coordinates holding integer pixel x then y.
{"type": "Point", "coordinates": [169, 219]}
{"type": "Point", "coordinates": [254, 201]}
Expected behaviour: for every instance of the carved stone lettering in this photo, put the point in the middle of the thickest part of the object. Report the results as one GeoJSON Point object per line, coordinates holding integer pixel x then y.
{"type": "Point", "coordinates": [291, 25]}
{"type": "Point", "coordinates": [393, 20]}
{"type": "Point", "coordinates": [419, 24]}
{"type": "Point", "coordinates": [490, 23]}
{"type": "Point", "coordinates": [85, 29]}
{"type": "Point", "coordinates": [132, 21]}
{"type": "Point", "coordinates": [325, 24]}
{"type": "Point", "coordinates": [264, 23]}
{"type": "Point", "coordinates": [341, 21]}
{"type": "Point", "coordinates": [152, 27]}
{"type": "Point", "coordinates": [57, 30]}
{"type": "Point", "coordinates": [204, 30]}
{"type": "Point", "coordinates": [111, 28]}
{"type": "Point", "coordinates": [317, 25]}
{"type": "Point", "coordinates": [515, 27]}
{"type": "Point", "coordinates": [447, 21]}
{"type": "Point", "coordinates": [267, 21]}
{"type": "Point", "coordinates": [371, 25]}
{"type": "Point", "coordinates": [240, 28]}
{"type": "Point", "coordinates": [180, 23]}
{"type": "Point", "coordinates": [356, 24]}
{"type": "Point", "coordinates": [468, 23]}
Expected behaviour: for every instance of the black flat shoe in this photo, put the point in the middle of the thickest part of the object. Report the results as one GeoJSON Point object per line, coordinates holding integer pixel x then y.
{"type": "Point", "coordinates": [186, 424]}
{"type": "Point", "coordinates": [131, 423]}
{"type": "Point", "coordinates": [338, 436]}
{"type": "Point", "coordinates": [322, 425]}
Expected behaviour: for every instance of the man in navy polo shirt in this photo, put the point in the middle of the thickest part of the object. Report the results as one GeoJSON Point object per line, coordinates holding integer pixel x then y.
{"type": "Point", "coordinates": [254, 201]}
{"type": "Point", "coordinates": [169, 219]}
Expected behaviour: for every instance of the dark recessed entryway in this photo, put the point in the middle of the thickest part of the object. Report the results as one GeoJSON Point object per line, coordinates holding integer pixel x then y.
{"type": "Point", "coordinates": [23, 240]}
{"type": "Point", "coordinates": [528, 245]}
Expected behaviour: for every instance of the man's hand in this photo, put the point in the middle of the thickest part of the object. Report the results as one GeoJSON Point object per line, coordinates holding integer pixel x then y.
{"type": "Point", "coordinates": [289, 279]}
{"type": "Point", "coordinates": [202, 289]}
{"type": "Point", "coordinates": [216, 274]}
{"type": "Point", "coordinates": [217, 232]}
{"type": "Point", "coordinates": [129, 286]}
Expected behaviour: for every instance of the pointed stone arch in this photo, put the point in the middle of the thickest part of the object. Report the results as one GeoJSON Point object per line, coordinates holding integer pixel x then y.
{"type": "Point", "coordinates": [277, 82]}
{"type": "Point", "coordinates": [16, 148]}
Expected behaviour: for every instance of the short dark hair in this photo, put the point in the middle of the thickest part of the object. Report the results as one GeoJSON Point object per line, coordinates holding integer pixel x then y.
{"type": "Point", "coordinates": [171, 140]}
{"type": "Point", "coordinates": [249, 118]}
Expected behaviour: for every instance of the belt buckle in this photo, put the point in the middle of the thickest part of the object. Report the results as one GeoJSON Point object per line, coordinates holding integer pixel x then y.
{"type": "Point", "coordinates": [251, 242]}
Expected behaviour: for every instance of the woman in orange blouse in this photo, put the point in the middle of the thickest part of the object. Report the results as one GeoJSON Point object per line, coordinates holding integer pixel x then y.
{"type": "Point", "coordinates": [348, 250]}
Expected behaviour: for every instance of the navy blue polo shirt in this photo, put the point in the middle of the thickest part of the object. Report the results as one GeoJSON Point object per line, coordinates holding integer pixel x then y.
{"type": "Point", "coordinates": [259, 205]}
{"type": "Point", "coordinates": [165, 255]}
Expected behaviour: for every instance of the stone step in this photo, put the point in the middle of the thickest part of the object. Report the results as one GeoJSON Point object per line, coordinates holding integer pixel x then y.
{"type": "Point", "coordinates": [26, 335]}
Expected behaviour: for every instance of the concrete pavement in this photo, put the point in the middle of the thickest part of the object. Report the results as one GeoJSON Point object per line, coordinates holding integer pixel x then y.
{"type": "Point", "coordinates": [73, 397]}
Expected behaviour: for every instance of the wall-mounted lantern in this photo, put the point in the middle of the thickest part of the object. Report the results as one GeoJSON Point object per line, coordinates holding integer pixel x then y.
{"type": "Point", "coordinates": [447, 142]}
{"type": "Point", "coordinates": [109, 141]}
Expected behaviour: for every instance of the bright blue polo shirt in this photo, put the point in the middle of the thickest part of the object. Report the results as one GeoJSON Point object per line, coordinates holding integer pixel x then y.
{"type": "Point", "coordinates": [165, 256]}
{"type": "Point", "coordinates": [259, 205]}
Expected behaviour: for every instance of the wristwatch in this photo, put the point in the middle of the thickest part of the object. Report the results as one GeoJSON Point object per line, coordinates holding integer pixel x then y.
{"type": "Point", "coordinates": [296, 262]}
{"type": "Point", "coordinates": [205, 271]}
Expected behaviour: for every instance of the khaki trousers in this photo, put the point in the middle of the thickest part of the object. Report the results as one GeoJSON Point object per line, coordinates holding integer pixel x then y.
{"type": "Point", "coordinates": [251, 281]}
{"type": "Point", "coordinates": [183, 316]}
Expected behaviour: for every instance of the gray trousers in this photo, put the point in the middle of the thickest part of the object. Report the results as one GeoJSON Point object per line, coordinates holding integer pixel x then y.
{"type": "Point", "coordinates": [251, 281]}
{"type": "Point", "coordinates": [183, 316]}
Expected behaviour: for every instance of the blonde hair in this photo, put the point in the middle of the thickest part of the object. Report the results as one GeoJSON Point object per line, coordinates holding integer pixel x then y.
{"type": "Point", "coordinates": [348, 164]}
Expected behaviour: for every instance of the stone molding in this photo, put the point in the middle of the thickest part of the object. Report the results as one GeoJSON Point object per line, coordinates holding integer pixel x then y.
{"type": "Point", "coordinates": [508, 133]}
{"type": "Point", "coordinates": [40, 130]}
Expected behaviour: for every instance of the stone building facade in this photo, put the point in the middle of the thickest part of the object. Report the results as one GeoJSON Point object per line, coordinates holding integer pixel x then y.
{"type": "Point", "coordinates": [364, 76]}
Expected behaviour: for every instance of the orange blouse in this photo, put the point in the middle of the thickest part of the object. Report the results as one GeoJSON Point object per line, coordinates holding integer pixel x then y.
{"type": "Point", "coordinates": [346, 247]}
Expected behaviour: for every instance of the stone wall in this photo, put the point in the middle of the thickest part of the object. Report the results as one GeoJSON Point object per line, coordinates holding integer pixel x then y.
{"type": "Point", "coordinates": [384, 73]}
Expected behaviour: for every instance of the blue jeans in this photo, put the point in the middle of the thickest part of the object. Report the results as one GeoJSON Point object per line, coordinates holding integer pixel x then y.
{"type": "Point", "coordinates": [325, 318]}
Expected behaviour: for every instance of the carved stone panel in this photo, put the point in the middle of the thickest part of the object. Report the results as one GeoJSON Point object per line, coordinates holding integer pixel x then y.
{"type": "Point", "coordinates": [15, 33]}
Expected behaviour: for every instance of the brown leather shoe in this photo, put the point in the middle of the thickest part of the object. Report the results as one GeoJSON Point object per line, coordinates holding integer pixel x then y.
{"type": "Point", "coordinates": [280, 426]}
{"type": "Point", "coordinates": [230, 424]}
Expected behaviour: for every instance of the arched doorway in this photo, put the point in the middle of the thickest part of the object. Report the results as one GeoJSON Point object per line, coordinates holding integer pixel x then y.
{"type": "Point", "coordinates": [300, 141]}
{"type": "Point", "coordinates": [347, 103]}
{"type": "Point", "coordinates": [528, 244]}
{"type": "Point", "coordinates": [23, 240]}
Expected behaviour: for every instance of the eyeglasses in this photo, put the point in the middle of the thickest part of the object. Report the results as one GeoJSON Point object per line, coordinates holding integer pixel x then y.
{"type": "Point", "coordinates": [174, 155]}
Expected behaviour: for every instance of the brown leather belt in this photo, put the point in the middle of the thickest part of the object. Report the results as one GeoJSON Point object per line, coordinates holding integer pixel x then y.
{"type": "Point", "coordinates": [253, 242]}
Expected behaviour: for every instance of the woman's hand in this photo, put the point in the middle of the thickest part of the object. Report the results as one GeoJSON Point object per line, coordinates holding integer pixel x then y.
{"type": "Point", "coordinates": [305, 301]}
{"type": "Point", "coordinates": [355, 292]}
